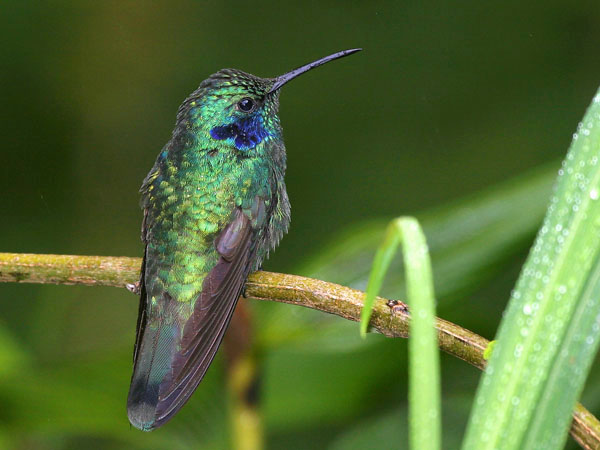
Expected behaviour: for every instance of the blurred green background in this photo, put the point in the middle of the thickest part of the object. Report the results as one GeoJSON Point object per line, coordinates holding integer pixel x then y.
{"type": "Point", "coordinates": [445, 101]}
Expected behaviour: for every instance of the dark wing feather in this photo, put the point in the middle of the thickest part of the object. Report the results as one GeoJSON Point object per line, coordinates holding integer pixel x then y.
{"type": "Point", "coordinates": [170, 359]}
{"type": "Point", "coordinates": [204, 331]}
{"type": "Point", "coordinates": [141, 320]}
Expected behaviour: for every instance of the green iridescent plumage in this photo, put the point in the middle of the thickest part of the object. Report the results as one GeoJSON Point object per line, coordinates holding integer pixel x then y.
{"type": "Point", "coordinates": [214, 205]}
{"type": "Point", "coordinates": [198, 181]}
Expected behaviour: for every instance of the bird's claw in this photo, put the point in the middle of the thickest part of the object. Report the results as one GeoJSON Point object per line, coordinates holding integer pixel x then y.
{"type": "Point", "coordinates": [133, 287]}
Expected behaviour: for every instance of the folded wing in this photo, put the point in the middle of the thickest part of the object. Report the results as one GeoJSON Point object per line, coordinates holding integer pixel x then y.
{"type": "Point", "coordinates": [170, 360]}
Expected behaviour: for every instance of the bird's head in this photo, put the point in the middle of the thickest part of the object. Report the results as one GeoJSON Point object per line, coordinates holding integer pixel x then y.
{"type": "Point", "coordinates": [236, 108]}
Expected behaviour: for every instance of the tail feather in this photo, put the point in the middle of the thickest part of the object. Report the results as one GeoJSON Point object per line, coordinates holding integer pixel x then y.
{"type": "Point", "coordinates": [155, 355]}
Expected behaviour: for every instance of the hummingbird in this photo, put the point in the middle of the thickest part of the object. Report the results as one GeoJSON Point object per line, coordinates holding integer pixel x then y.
{"type": "Point", "coordinates": [215, 205]}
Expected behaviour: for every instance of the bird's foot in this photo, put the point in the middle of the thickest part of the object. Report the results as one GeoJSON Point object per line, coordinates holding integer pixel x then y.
{"type": "Point", "coordinates": [133, 287]}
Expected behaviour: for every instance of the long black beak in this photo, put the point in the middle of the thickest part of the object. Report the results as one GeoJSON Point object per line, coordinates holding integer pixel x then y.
{"type": "Point", "coordinates": [281, 80]}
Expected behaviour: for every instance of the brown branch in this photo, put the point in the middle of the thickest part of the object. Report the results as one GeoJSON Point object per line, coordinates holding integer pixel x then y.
{"type": "Point", "coordinates": [392, 321]}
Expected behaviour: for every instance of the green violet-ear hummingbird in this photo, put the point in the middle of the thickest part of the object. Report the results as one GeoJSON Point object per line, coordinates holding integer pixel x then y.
{"type": "Point", "coordinates": [214, 205]}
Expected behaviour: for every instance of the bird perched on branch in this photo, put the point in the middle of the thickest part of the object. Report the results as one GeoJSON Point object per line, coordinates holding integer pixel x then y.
{"type": "Point", "coordinates": [214, 205]}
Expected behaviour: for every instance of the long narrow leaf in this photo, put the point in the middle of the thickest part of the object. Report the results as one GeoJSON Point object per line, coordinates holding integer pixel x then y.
{"type": "Point", "coordinates": [470, 240]}
{"type": "Point", "coordinates": [549, 336]}
{"type": "Point", "coordinates": [424, 383]}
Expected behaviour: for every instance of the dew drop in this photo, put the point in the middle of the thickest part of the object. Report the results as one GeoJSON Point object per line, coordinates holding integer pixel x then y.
{"type": "Point", "coordinates": [518, 351]}
{"type": "Point", "coordinates": [562, 289]}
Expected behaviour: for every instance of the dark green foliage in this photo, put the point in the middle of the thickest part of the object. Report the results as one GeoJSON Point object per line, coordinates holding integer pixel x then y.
{"type": "Point", "coordinates": [445, 101]}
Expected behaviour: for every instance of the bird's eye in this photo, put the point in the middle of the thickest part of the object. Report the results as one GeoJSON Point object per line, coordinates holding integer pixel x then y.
{"type": "Point", "coordinates": [246, 104]}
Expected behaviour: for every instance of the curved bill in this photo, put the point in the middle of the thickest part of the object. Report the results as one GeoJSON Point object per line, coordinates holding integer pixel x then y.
{"type": "Point", "coordinates": [281, 80]}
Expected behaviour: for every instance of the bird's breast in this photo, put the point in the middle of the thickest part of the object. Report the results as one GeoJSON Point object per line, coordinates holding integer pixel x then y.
{"type": "Point", "coordinates": [189, 204]}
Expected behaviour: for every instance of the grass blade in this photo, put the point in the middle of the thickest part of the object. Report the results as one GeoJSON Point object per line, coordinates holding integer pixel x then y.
{"type": "Point", "coordinates": [549, 336]}
{"type": "Point", "coordinates": [424, 382]}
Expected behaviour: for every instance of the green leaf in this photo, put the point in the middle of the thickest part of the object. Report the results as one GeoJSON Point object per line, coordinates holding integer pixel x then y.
{"type": "Point", "coordinates": [424, 382]}
{"type": "Point", "coordinates": [83, 397]}
{"type": "Point", "coordinates": [389, 430]}
{"type": "Point", "coordinates": [12, 357]}
{"type": "Point", "coordinates": [469, 239]}
{"type": "Point", "coordinates": [549, 335]}
{"type": "Point", "coordinates": [381, 264]}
